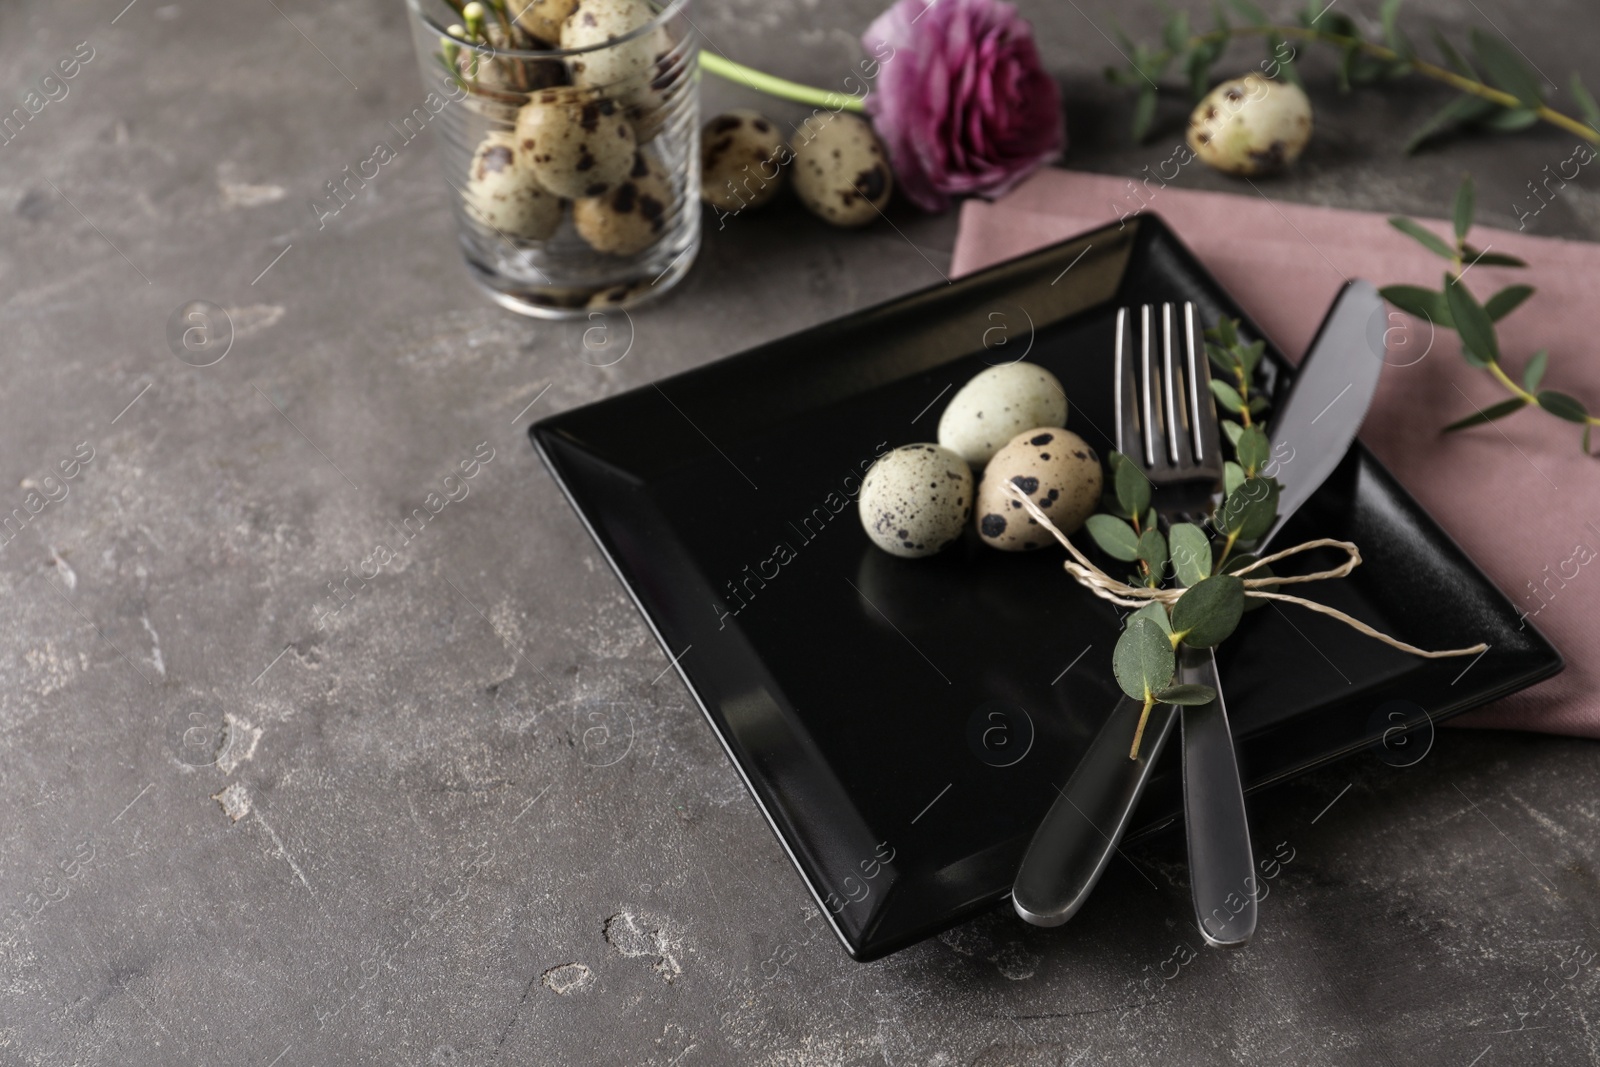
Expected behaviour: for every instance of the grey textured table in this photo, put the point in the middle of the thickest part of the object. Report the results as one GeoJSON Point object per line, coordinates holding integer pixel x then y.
{"type": "Point", "coordinates": [469, 817]}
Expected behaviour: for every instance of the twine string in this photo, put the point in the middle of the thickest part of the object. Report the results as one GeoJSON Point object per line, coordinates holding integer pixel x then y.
{"type": "Point", "coordinates": [1122, 594]}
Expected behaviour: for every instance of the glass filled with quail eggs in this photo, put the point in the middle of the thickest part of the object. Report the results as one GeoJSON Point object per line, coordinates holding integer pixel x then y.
{"type": "Point", "coordinates": [569, 136]}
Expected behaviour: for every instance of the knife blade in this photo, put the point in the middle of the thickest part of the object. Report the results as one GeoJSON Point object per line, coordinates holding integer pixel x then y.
{"type": "Point", "coordinates": [1316, 423]}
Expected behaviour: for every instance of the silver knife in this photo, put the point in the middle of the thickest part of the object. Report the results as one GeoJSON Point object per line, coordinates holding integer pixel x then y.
{"type": "Point", "coordinates": [1310, 432]}
{"type": "Point", "coordinates": [1104, 792]}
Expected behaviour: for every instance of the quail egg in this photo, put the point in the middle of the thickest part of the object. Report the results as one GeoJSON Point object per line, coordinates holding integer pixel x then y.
{"type": "Point", "coordinates": [630, 217]}
{"type": "Point", "coordinates": [542, 18]}
{"type": "Point", "coordinates": [502, 195]}
{"type": "Point", "coordinates": [741, 160]}
{"type": "Point", "coordinates": [841, 172]}
{"type": "Point", "coordinates": [1251, 125]}
{"type": "Point", "coordinates": [1056, 469]}
{"type": "Point", "coordinates": [915, 500]}
{"type": "Point", "coordinates": [629, 63]}
{"type": "Point", "coordinates": [576, 145]}
{"type": "Point", "coordinates": [998, 404]}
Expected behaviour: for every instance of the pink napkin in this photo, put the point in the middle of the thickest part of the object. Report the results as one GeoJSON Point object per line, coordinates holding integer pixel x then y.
{"type": "Point", "coordinates": [1518, 495]}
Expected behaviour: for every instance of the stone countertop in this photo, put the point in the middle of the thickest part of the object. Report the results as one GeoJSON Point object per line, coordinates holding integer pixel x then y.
{"type": "Point", "coordinates": [464, 819]}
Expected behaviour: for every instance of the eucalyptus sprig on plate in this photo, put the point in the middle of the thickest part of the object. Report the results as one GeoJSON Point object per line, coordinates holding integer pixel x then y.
{"type": "Point", "coordinates": [1455, 308]}
{"type": "Point", "coordinates": [1200, 557]}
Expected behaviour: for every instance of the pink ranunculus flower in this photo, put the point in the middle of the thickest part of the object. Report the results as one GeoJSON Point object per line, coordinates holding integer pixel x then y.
{"type": "Point", "coordinates": [962, 101]}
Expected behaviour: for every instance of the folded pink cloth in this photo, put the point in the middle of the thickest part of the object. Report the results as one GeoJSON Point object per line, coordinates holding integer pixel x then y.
{"type": "Point", "coordinates": [1519, 495]}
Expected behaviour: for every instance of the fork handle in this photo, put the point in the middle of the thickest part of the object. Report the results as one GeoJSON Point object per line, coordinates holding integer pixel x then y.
{"type": "Point", "coordinates": [1078, 836]}
{"type": "Point", "coordinates": [1221, 864]}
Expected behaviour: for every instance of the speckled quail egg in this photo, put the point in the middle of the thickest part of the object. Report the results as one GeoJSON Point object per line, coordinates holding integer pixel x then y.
{"type": "Point", "coordinates": [741, 160]}
{"type": "Point", "coordinates": [575, 147]}
{"type": "Point", "coordinates": [1056, 469]}
{"type": "Point", "coordinates": [501, 194]}
{"type": "Point", "coordinates": [630, 217]}
{"type": "Point", "coordinates": [998, 404]}
{"type": "Point", "coordinates": [627, 64]}
{"type": "Point", "coordinates": [915, 500]}
{"type": "Point", "coordinates": [840, 170]}
{"type": "Point", "coordinates": [542, 18]}
{"type": "Point", "coordinates": [1251, 125]}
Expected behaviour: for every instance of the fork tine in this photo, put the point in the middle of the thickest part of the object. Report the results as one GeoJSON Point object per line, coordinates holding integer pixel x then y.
{"type": "Point", "coordinates": [1169, 376]}
{"type": "Point", "coordinates": [1118, 378]}
{"type": "Point", "coordinates": [1146, 390]}
{"type": "Point", "coordinates": [1196, 387]}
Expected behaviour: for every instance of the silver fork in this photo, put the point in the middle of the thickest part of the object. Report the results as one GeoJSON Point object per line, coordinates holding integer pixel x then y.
{"type": "Point", "coordinates": [1165, 422]}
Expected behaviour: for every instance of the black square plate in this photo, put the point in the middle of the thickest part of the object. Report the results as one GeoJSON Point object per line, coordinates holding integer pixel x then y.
{"type": "Point", "coordinates": [901, 722]}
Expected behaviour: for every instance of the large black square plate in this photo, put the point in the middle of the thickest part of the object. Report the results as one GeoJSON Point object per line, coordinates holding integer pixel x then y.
{"type": "Point", "coordinates": [901, 722]}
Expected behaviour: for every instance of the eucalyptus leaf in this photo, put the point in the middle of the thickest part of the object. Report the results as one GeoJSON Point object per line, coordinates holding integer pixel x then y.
{"type": "Point", "coordinates": [1248, 511]}
{"type": "Point", "coordinates": [1232, 430]}
{"type": "Point", "coordinates": [1176, 31]}
{"type": "Point", "coordinates": [1490, 259]}
{"type": "Point", "coordinates": [1420, 303]}
{"type": "Point", "coordinates": [1249, 12]}
{"type": "Point", "coordinates": [1506, 301]}
{"type": "Point", "coordinates": [1478, 342]}
{"type": "Point", "coordinates": [1227, 395]}
{"type": "Point", "coordinates": [1254, 449]}
{"type": "Point", "coordinates": [1457, 113]}
{"type": "Point", "coordinates": [1133, 488]}
{"type": "Point", "coordinates": [1452, 57]}
{"type": "Point", "coordinates": [1188, 694]}
{"type": "Point", "coordinates": [1191, 553]}
{"type": "Point", "coordinates": [1143, 661]}
{"type": "Point", "coordinates": [1347, 63]}
{"type": "Point", "coordinates": [1239, 563]}
{"type": "Point", "coordinates": [1197, 68]}
{"type": "Point", "coordinates": [1533, 373]}
{"type": "Point", "coordinates": [1208, 611]}
{"type": "Point", "coordinates": [1286, 66]}
{"type": "Point", "coordinates": [1250, 355]}
{"type": "Point", "coordinates": [1221, 358]}
{"type": "Point", "coordinates": [1156, 612]}
{"type": "Point", "coordinates": [1506, 69]}
{"type": "Point", "coordinates": [1465, 206]}
{"type": "Point", "coordinates": [1114, 536]}
{"type": "Point", "coordinates": [1488, 414]}
{"type": "Point", "coordinates": [1591, 112]}
{"type": "Point", "coordinates": [1563, 406]}
{"type": "Point", "coordinates": [1226, 332]}
{"type": "Point", "coordinates": [1426, 238]}
{"type": "Point", "coordinates": [1509, 120]}
{"type": "Point", "coordinates": [1389, 14]}
{"type": "Point", "coordinates": [1153, 552]}
{"type": "Point", "coordinates": [1232, 476]}
{"type": "Point", "coordinates": [1144, 111]}
{"type": "Point", "coordinates": [1261, 508]}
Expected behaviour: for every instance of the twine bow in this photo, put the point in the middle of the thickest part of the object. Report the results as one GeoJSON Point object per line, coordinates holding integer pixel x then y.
{"type": "Point", "coordinates": [1106, 587]}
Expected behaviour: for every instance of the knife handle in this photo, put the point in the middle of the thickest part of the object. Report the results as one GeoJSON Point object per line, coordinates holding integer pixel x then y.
{"type": "Point", "coordinates": [1221, 864]}
{"type": "Point", "coordinates": [1078, 836]}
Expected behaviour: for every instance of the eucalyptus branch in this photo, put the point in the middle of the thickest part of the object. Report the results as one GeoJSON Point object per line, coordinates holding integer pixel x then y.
{"type": "Point", "coordinates": [1509, 97]}
{"type": "Point", "coordinates": [1455, 308]}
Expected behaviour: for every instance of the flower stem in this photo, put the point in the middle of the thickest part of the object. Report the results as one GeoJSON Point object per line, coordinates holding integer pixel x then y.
{"type": "Point", "coordinates": [723, 67]}
{"type": "Point", "coordinates": [1430, 70]}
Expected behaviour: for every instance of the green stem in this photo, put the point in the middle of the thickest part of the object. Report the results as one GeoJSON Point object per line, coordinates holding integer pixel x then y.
{"type": "Point", "coordinates": [1437, 73]}
{"type": "Point", "coordinates": [1144, 717]}
{"type": "Point", "coordinates": [783, 89]}
{"type": "Point", "coordinates": [1500, 375]}
{"type": "Point", "coordinates": [1227, 548]}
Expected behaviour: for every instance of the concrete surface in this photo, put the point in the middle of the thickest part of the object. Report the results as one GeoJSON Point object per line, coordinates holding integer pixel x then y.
{"type": "Point", "coordinates": [464, 818]}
